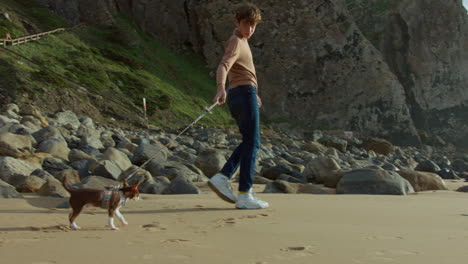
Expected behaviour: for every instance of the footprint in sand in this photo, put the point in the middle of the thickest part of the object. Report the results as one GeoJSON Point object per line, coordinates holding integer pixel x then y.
{"type": "Point", "coordinates": [383, 237]}
{"type": "Point", "coordinates": [232, 221]}
{"type": "Point", "coordinates": [178, 241]}
{"type": "Point", "coordinates": [154, 227]}
{"type": "Point", "coordinates": [48, 229]}
{"type": "Point", "coordinates": [396, 252]}
{"type": "Point", "coordinates": [301, 251]}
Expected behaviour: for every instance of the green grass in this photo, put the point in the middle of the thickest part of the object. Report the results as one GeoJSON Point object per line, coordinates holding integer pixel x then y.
{"type": "Point", "coordinates": [119, 62]}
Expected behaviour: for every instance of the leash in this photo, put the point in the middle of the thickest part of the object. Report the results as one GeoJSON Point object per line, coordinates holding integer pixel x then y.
{"type": "Point", "coordinates": [205, 111]}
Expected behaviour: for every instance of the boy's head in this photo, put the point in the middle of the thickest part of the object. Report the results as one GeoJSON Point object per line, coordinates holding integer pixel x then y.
{"type": "Point", "coordinates": [247, 18]}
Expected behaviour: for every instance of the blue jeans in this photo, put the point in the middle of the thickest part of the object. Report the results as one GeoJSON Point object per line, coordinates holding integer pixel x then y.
{"type": "Point", "coordinates": [243, 105]}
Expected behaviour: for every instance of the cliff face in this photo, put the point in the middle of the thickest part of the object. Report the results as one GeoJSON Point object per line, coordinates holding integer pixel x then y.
{"type": "Point", "coordinates": [396, 68]}
{"type": "Point", "coordinates": [425, 44]}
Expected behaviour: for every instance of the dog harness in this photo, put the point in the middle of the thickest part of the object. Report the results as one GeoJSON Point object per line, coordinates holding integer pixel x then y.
{"type": "Point", "coordinates": [107, 197]}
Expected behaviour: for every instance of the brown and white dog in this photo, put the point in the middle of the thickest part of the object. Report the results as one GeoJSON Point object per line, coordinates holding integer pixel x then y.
{"type": "Point", "coordinates": [111, 200]}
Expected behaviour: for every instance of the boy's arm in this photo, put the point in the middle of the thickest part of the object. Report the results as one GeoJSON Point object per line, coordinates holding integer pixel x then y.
{"type": "Point", "coordinates": [231, 54]}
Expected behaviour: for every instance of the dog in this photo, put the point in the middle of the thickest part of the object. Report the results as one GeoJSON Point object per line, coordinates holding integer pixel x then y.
{"type": "Point", "coordinates": [107, 199]}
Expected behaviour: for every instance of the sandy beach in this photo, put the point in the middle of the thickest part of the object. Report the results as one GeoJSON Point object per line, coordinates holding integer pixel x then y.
{"type": "Point", "coordinates": [427, 227]}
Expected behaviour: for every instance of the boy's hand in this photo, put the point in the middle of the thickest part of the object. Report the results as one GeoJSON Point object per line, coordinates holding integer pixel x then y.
{"type": "Point", "coordinates": [220, 97]}
{"type": "Point", "coordinates": [259, 101]}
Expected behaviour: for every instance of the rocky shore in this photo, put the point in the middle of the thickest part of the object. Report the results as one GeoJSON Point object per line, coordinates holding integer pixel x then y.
{"type": "Point", "coordinates": [37, 151]}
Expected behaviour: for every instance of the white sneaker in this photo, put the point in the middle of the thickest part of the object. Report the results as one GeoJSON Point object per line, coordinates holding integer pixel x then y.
{"type": "Point", "coordinates": [248, 201]}
{"type": "Point", "coordinates": [221, 186]}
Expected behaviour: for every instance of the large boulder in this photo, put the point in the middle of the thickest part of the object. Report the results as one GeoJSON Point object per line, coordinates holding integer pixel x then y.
{"type": "Point", "coordinates": [373, 181]}
{"type": "Point", "coordinates": [378, 145]}
{"type": "Point", "coordinates": [92, 139]}
{"type": "Point", "coordinates": [30, 184]}
{"type": "Point", "coordinates": [14, 145]}
{"type": "Point", "coordinates": [30, 110]}
{"type": "Point", "coordinates": [172, 170]}
{"type": "Point", "coordinates": [145, 151]}
{"type": "Point", "coordinates": [280, 186]}
{"type": "Point", "coordinates": [210, 161]}
{"type": "Point", "coordinates": [67, 119]}
{"type": "Point", "coordinates": [334, 142]}
{"type": "Point", "coordinates": [48, 133]}
{"type": "Point", "coordinates": [107, 169]}
{"type": "Point", "coordinates": [8, 191]}
{"type": "Point", "coordinates": [314, 147]}
{"type": "Point", "coordinates": [181, 185]}
{"type": "Point", "coordinates": [423, 181]}
{"type": "Point", "coordinates": [14, 170]}
{"type": "Point", "coordinates": [318, 168]}
{"type": "Point", "coordinates": [118, 157]}
{"type": "Point", "coordinates": [53, 187]}
{"type": "Point", "coordinates": [427, 166]}
{"type": "Point", "coordinates": [54, 147]}
{"type": "Point", "coordinates": [100, 183]}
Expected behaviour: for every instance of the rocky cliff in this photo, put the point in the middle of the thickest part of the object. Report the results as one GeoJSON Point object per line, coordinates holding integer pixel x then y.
{"type": "Point", "coordinates": [397, 68]}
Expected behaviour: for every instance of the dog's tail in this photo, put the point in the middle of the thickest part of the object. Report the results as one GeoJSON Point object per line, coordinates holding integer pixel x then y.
{"type": "Point", "coordinates": [65, 185]}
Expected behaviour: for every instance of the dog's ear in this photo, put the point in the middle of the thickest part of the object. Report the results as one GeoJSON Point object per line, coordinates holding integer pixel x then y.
{"type": "Point", "coordinates": [135, 185]}
{"type": "Point", "coordinates": [125, 183]}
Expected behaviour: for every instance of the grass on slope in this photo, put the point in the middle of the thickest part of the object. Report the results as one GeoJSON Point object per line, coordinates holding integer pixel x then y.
{"type": "Point", "coordinates": [119, 62]}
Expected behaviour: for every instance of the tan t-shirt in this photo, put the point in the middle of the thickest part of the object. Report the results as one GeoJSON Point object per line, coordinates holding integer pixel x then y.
{"type": "Point", "coordinates": [237, 64]}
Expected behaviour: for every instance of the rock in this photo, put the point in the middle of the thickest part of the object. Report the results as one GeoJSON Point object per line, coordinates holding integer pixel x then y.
{"type": "Point", "coordinates": [155, 186]}
{"type": "Point", "coordinates": [107, 141]}
{"type": "Point", "coordinates": [68, 119]}
{"type": "Point", "coordinates": [463, 189]}
{"type": "Point", "coordinates": [8, 191]}
{"type": "Point", "coordinates": [73, 176]}
{"type": "Point", "coordinates": [11, 111]}
{"type": "Point", "coordinates": [378, 145]}
{"type": "Point", "coordinates": [210, 161]}
{"type": "Point", "coordinates": [54, 165]}
{"type": "Point", "coordinates": [389, 166]}
{"type": "Point", "coordinates": [14, 170]}
{"type": "Point", "coordinates": [147, 151]}
{"type": "Point", "coordinates": [289, 178]}
{"type": "Point", "coordinates": [49, 132]}
{"type": "Point", "coordinates": [423, 181]}
{"type": "Point", "coordinates": [15, 145]}
{"type": "Point", "coordinates": [274, 173]}
{"type": "Point", "coordinates": [54, 147]}
{"type": "Point", "coordinates": [448, 174]}
{"type": "Point", "coordinates": [119, 158]}
{"type": "Point", "coordinates": [107, 169]}
{"type": "Point", "coordinates": [30, 184]}
{"type": "Point", "coordinates": [261, 180]}
{"type": "Point", "coordinates": [171, 170]}
{"type": "Point", "coordinates": [181, 185]}
{"type": "Point", "coordinates": [280, 186]}
{"type": "Point", "coordinates": [53, 187]}
{"type": "Point", "coordinates": [460, 165]}
{"type": "Point", "coordinates": [76, 155]}
{"type": "Point", "coordinates": [292, 159]}
{"type": "Point", "coordinates": [371, 181]}
{"type": "Point", "coordinates": [332, 178]}
{"type": "Point", "coordinates": [99, 183]}
{"type": "Point", "coordinates": [90, 150]}
{"type": "Point", "coordinates": [31, 110]}
{"type": "Point", "coordinates": [334, 142]}
{"type": "Point", "coordinates": [316, 169]}
{"type": "Point", "coordinates": [427, 166]}
{"type": "Point", "coordinates": [42, 174]}
{"type": "Point", "coordinates": [186, 156]}
{"type": "Point", "coordinates": [83, 166]}
{"type": "Point", "coordinates": [91, 139]}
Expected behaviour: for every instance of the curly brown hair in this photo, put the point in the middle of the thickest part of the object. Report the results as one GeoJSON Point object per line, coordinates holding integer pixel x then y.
{"type": "Point", "coordinates": [249, 13]}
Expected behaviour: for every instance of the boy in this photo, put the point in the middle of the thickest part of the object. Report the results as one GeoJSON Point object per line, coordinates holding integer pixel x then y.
{"type": "Point", "coordinates": [243, 103]}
